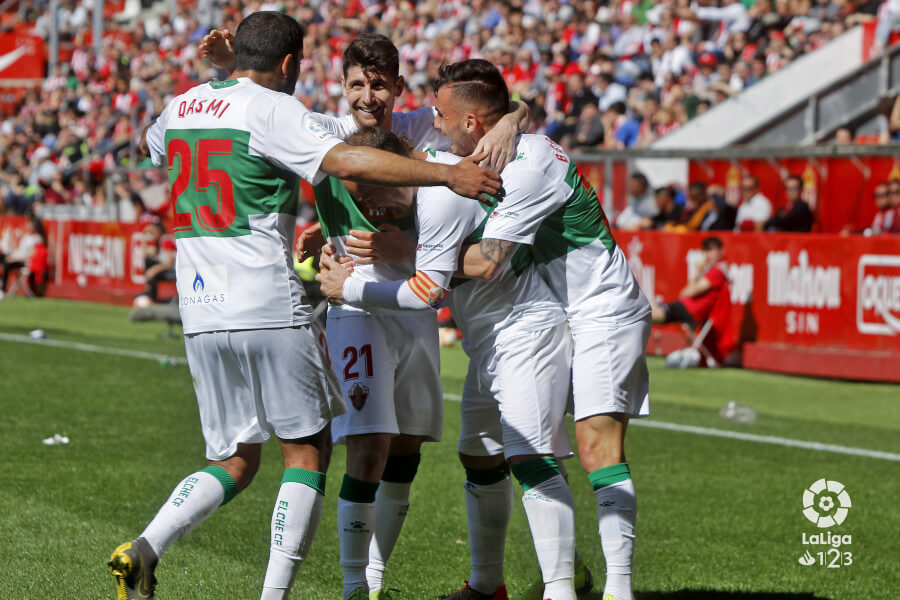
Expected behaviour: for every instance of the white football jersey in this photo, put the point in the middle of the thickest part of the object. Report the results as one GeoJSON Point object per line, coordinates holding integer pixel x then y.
{"type": "Point", "coordinates": [415, 128]}
{"type": "Point", "coordinates": [485, 311]}
{"type": "Point", "coordinates": [236, 152]}
{"type": "Point", "coordinates": [551, 206]}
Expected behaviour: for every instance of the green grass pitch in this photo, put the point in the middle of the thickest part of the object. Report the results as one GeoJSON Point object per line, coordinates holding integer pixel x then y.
{"type": "Point", "coordinates": [718, 518]}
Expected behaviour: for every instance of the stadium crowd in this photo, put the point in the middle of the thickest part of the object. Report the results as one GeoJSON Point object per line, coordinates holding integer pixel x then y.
{"type": "Point", "coordinates": [597, 75]}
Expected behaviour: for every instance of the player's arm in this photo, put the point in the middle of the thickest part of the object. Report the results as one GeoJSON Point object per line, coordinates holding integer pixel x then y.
{"type": "Point", "coordinates": [696, 288]}
{"type": "Point", "coordinates": [420, 292]}
{"type": "Point", "coordinates": [388, 245]}
{"type": "Point", "coordinates": [377, 167]}
{"type": "Point", "coordinates": [486, 259]}
{"type": "Point", "coordinates": [153, 139]}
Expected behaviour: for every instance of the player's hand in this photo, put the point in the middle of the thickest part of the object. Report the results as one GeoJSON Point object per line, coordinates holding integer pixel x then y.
{"type": "Point", "coordinates": [498, 145]}
{"type": "Point", "coordinates": [389, 245]}
{"type": "Point", "coordinates": [331, 278]}
{"type": "Point", "coordinates": [218, 47]}
{"type": "Point", "coordinates": [472, 181]}
{"type": "Point", "coordinates": [310, 241]}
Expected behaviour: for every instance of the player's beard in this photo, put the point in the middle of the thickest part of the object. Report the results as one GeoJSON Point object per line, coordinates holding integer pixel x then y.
{"type": "Point", "coordinates": [289, 85]}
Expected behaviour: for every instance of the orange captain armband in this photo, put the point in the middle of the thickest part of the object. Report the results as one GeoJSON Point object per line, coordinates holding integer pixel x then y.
{"type": "Point", "coordinates": [426, 290]}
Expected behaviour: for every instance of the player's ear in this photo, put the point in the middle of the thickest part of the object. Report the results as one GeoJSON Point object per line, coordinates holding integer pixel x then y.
{"type": "Point", "coordinates": [289, 66]}
{"type": "Point", "coordinates": [471, 122]}
{"type": "Point", "coordinates": [399, 85]}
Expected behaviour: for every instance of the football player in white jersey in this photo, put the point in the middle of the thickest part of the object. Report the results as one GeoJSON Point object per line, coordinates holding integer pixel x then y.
{"type": "Point", "coordinates": [519, 351]}
{"type": "Point", "coordinates": [236, 151]}
{"type": "Point", "coordinates": [550, 207]}
{"type": "Point", "coordinates": [387, 362]}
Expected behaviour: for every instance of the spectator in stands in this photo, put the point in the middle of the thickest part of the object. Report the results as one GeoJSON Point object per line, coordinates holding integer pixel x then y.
{"type": "Point", "coordinates": [795, 215]}
{"type": "Point", "coordinates": [589, 129]}
{"type": "Point", "coordinates": [706, 297]}
{"type": "Point", "coordinates": [641, 203]}
{"type": "Point", "coordinates": [21, 257]}
{"type": "Point", "coordinates": [669, 210]}
{"type": "Point", "coordinates": [755, 209]}
{"type": "Point", "coordinates": [696, 197]}
{"type": "Point", "coordinates": [159, 259]}
{"type": "Point", "coordinates": [885, 220]}
{"type": "Point", "coordinates": [843, 136]}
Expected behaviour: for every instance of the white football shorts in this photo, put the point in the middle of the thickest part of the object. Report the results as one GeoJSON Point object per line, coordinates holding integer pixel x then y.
{"type": "Point", "coordinates": [389, 370]}
{"type": "Point", "coordinates": [609, 368]}
{"type": "Point", "coordinates": [514, 402]}
{"type": "Point", "coordinates": [252, 383]}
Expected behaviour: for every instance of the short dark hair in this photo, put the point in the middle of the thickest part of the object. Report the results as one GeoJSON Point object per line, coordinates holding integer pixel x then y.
{"type": "Point", "coordinates": [373, 52]}
{"type": "Point", "coordinates": [712, 242]}
{"type": "Point", "coordinates": [264, 38]}
{"type": "Point", "coordinates": [376, 137]}
{"type": "Point", "coordinates": [667, 191]}
{"type": "Point", "coordinates": [796, 178]}
{"type": "Point", "coordinates": [478, 81]}
{"type": "Point", "coordinates": [640, 178]}
{"type": "Point", "coordinates": [697, 185]}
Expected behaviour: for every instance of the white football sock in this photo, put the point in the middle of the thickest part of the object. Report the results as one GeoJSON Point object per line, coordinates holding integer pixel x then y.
{"type": "Point", "coordinates": [551, 516]}
{"type": "Point", "coordinates": [616, 512]}
{"type": "Point", "coordinates": [391, 506]}
{"type": "Point", "coordinates": [298, 509]}
{"type": "Point", "coordinates": [488, 508]}
{"type": "Point", "coordinates": [356, 523]}
{"type": "Point", "coordinates": [192, 501]}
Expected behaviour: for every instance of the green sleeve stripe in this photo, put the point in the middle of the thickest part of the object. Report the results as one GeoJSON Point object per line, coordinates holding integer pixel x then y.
{"type": "Point", "coordinates": [536, 471]}
{"type": "Point", "coordinates": [313, 479]}
{"type": "Point", "coordinates": [609, 475]}
{"type": "Point", "coordinates": [228, 484]}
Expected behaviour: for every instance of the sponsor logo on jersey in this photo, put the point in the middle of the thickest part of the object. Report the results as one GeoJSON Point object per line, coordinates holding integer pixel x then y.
{"type": "Point", "coordinates": [429, 247]}
{"type": "Point", "coordinates": [359, 393]}
{"type": "Point", "coordinates": [204, 285]}
{"type": "Point", "coordinates": [506, 214]}
{"type": "Point", "coordinates": [878, 294]}
{"type": "Point", "coordinates": [316, 129]}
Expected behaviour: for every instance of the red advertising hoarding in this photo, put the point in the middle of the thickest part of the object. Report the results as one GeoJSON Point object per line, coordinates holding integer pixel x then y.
{"type": "Point", "coordinates": [825, 305]}
{"type": "Point", "coordinates": [21, 59]}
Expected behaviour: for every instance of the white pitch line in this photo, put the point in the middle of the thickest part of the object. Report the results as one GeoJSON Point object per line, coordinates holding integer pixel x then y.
{"type": "Point", "coordinates": [12, 337]}
{"type": "Point", "coordinates": [750, 437]}
{"type": "Point", "coordinates": [707, 431]}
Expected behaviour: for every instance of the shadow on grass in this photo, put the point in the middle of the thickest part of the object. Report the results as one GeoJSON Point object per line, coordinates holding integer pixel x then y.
{"type": "Point", "coordinates": [716, 595]}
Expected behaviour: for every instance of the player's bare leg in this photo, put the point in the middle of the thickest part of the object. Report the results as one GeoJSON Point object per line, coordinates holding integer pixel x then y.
{"type": "Point", "coordinates": [367, 455]}
{"type": "Point", "coordinates": [195, 498]}
{"type": "Point", "coordinates": [601, 447]}
{"type": "Point", "coordinates": [489, 503]}
{"type": "Point", "coordinates": [392, 505]}
{"type": "Point", "coordinates": [298, 509]}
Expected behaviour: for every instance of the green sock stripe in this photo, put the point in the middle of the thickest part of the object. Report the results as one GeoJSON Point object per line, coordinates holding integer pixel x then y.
{"type": "Point", "coordinates": [401, 469]}
{"type": "Point", "coordinates": [355, 490]}
{"type": "Point", "coordinates": [225, 479]}
{"type": "Point", "coordinates": [536, 471]}
{"type": "Point", "coordinates": [487, 476]}
{"type": "Point", "coordinates": [313, 479]}
{"type": "Point", "coordinates": [609, 475]}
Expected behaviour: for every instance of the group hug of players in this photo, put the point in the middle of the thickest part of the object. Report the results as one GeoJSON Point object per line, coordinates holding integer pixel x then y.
{"type": "Point", "coordinates": [552, 318]}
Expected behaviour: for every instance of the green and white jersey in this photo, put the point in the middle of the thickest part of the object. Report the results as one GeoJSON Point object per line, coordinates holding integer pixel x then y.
{"type": "Point", "coordinates": [414, 128]}
{"type": "Point", "coordinates": [236, 152]}
{"type": "Point", "coordinates": [550, 206]}
{"type": "Point", "coordinates": [487, 312]}
{"type": "Point", "coordinates": [338, 214]}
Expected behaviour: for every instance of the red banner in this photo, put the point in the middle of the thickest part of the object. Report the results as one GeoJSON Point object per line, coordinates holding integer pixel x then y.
{"type": "Point", "coordinates": [829, 303]}
{"type": "Point", "coordinates": [21, 59]}
{"type": "Point", "coordinates": [824, 305]}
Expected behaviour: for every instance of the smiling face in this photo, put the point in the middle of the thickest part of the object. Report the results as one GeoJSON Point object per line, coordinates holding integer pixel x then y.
{"type": "Point", "coordinates": [371, 96]}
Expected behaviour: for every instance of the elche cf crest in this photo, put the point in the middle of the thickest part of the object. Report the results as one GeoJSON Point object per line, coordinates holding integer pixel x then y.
{"type": "Point", "coordinates": [359, 393]}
